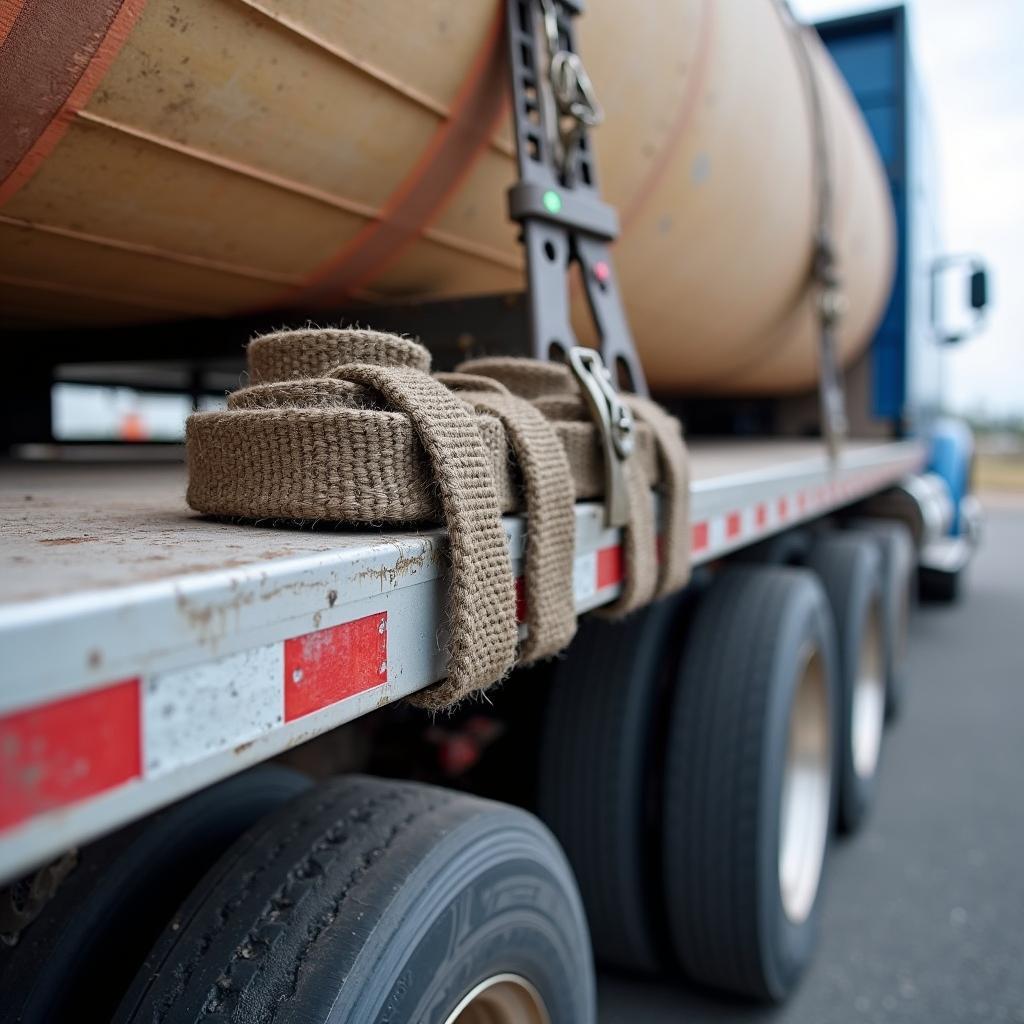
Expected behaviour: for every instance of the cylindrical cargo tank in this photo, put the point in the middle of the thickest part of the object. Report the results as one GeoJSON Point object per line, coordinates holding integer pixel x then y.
{"type": "Point", "coordinates": [164, 158]}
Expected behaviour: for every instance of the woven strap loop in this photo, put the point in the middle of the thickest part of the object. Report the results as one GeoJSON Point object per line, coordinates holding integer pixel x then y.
{"type": "Point", "coordinates": [309, 393]}
{"type": "Point", "coordinates": [555, 393]}
{"type": "Point", "coordinates": [287, 355]}
{"type": "Point", "coordinates": [674, 550]}
{"type": "Point", "coordinates": [639, 548]}
{"type": "Point", "coordinates": [549, 499]}
{"type": "Point", "coordinates": [482, 609]}
{"type": "Point", "coordinates": [527, 378]}
{"type": "Point", "coordinates": [471, 382]}
{"type": "Point", "coordinates": [350, 426]}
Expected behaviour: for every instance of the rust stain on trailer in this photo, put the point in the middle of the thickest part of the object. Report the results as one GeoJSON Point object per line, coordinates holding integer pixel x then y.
{"type": "Point", "coordinates": [404, 566]}
{"type": "Point", "coordinates": [295, 587]}
{"type": "Point", "coordinates": [209, 620]}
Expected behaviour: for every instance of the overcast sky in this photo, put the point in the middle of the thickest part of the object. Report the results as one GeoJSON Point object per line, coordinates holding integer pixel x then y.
{"type": "Point", "coordinates": [969, 56]}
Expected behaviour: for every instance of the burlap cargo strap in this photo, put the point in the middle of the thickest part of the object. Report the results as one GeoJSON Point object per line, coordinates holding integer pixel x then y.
{"type": "Point", "coordinates": [548, 493]}
{"type": "Point", "coordinates": [651, 570]}
{"type": "Point", "coordinates": [350, 426]}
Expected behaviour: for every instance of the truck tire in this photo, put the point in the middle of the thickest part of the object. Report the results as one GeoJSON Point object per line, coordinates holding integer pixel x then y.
{"type": "Point", "coordinates": [941, 586]}
{"type": "Point", "coordinates": [896, 546]}
{"type": "Point", "coordinates": [75, 960]}
{"type": "Point", "coordinates": [599, 774]}
{"type": "Point", "coordinates": [850, 568]}
{"type": "Point", "coordinates": [367, 900]}
{"type": "Point", "coordinates": [749, 795]}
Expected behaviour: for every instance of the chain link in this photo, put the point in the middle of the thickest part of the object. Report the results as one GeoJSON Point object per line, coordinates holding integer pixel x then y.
{"type": "Point", "coordinates": [576, 106]}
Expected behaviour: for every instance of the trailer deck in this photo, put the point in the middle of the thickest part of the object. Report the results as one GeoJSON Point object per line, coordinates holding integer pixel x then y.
{"type": "Point", "coordinates": [147, 652]}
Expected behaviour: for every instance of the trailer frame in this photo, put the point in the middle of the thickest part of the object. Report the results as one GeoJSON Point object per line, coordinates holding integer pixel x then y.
{"type": "Point", "coordinates": [148, 652]}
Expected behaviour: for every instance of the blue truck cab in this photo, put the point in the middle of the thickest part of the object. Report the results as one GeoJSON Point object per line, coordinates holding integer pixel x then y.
{"type": "Point", "coordinates": [905, 368]}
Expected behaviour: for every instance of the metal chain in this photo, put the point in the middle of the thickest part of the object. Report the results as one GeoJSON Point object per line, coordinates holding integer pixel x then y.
{"type": "Point", "coordinates": [576, 106]}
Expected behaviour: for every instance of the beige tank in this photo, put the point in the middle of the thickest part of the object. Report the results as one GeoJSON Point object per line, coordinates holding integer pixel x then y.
{"type": "Point", "coordinates": [181, 157]}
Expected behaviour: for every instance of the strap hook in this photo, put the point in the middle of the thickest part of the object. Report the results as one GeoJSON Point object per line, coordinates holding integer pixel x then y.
{"type": "Point", "coordinates": [615, 423]}
{"type": "Point", "coordinates": [576, 105]}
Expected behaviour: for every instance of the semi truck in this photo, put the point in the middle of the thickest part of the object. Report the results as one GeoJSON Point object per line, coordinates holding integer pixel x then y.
{"type": "Point", "coordinates": [218, 801]}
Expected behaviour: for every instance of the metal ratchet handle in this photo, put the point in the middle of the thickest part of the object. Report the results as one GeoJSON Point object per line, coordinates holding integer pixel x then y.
{"type": "Point", "coordinates": [615, 423]}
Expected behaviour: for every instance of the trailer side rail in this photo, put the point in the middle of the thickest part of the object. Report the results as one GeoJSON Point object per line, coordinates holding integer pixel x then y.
{"type": "Point", "coordinates": [117, 701]}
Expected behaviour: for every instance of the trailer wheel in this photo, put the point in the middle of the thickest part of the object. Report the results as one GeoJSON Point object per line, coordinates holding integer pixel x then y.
{"type": "Point", "coordinates": [896, 547]}
{"type": "Point", "coordinates": [366, 901]}
{"type": "Point", "coordinates": [75, 960]}
{"type": "Point", "coordinates": [850, 569]}
{"type": "Point", "coordinates": [748, 792]}
{"type": "Point", "coordinates": [599, 774]}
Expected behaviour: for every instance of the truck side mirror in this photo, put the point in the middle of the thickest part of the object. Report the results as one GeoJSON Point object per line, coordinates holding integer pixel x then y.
{"type": "Point", "coordinates": [979, 288]}
{"type": "Point", "coordinates": [949, 319]}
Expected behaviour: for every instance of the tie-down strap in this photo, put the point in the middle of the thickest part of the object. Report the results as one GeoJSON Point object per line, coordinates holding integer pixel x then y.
{"type": "Point", "coordinates": [550, 518]}
{"type": "Point", "coordinates": [363, 442]}
{"type": "Point", "coordinates": [482, 634]}
{"type": "Point", "coordinates": [654, 567]}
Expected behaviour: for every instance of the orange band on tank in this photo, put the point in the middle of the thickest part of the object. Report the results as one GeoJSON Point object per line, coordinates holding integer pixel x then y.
{"type": "Point", "coordinates": [9, 11]}
{"type": "Point", "coordinates": [426, 189]}
{"type": "Point", "coordinates": [52, 57]}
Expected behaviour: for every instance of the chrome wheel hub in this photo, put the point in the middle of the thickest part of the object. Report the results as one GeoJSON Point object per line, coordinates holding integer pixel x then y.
{"type": "Point", "coordinates": [501, 999]}
{"type": "Point", "coordinates": [806, 791]}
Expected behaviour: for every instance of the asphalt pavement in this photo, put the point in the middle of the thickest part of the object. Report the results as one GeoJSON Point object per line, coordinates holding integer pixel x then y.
{"type": "Point", "coordinates": [924, 912]}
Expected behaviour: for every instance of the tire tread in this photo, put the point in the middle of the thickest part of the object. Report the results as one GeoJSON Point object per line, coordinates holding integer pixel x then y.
{"type": "Point", "coordinates": [714, 771]}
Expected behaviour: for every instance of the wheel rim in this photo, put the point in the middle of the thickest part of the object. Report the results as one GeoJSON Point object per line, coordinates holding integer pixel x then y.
{"type": "Point", "coordinates": [806, 791]}
{"type": "Point", "coordinates": [501, 999]}
{"type": "Point", "coordinates": [868, 713]}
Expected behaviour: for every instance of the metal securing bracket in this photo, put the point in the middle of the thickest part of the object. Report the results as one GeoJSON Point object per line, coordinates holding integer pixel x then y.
{"type": "Point", "coordinates": [558, 204]}
{"type": "Point", "coordinates": [557, 200]}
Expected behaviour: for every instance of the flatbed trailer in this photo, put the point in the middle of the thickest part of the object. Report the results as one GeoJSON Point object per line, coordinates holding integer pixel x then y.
{"type": "Point", "coordinates": [217, 801]}
{"type": "Point", "coordinates": [148, 652]}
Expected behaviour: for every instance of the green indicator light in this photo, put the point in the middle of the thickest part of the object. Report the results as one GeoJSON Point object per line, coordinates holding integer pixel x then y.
{"type": "Point", "coordinates": [552, 201]}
